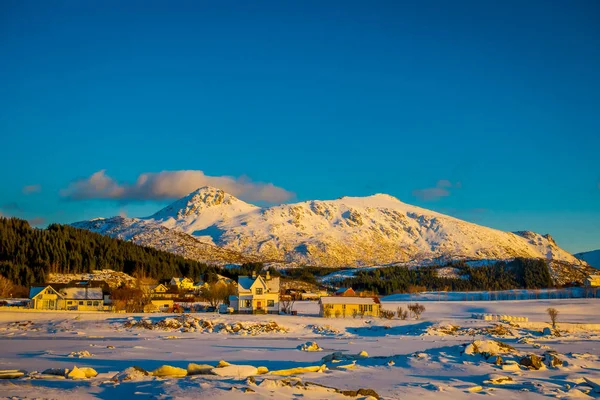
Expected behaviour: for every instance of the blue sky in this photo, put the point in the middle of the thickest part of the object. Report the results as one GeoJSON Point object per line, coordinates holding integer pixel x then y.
{"type": "Point", "coordinates": [486, 110]}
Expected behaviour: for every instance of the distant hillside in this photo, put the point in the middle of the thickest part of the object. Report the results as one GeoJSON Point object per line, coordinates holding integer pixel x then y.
{"type": "Point", "coordinates": [27, 255]}
{"type": "Point", "coordinates": [591, 257]}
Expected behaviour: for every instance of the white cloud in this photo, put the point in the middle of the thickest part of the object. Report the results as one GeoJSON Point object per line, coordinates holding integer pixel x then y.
{"type": "Point", "coordinates": [29, 189]}
{"type": "Point", "coordinates": [441, 189]}
{"type": "Point", "coordinates": [166, 185]}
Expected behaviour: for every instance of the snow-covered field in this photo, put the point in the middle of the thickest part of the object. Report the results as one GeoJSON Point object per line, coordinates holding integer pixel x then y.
{"type": "Point", "coordinates": [424, 358]}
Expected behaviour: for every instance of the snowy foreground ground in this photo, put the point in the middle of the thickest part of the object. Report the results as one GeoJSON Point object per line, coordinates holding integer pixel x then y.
{"type": "Point", "coordinates": [397, 359]}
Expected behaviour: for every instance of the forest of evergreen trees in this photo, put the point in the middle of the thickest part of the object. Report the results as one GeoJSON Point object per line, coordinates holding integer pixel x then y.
{"type": "Point", "coordinates": [28, 254]}
{"type": "Point", "coordinates": [520, 273]}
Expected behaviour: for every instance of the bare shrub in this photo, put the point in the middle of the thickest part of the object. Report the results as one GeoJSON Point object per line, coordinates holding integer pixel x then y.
{"type": "Point", "coordinates": [338, 313]}
{"type": "Point", "coordinates": [402, 313]}
{"type": "Point", "coordinates": [354, 313]}
{"type": "Point", "coordinates": [217, 293]}
{"type": "Point", "coordinates": [416, 309]}
{"type": "Point", "coordinates": [553, 314]}
{"type": "Point", "coordinates": [387, 314]}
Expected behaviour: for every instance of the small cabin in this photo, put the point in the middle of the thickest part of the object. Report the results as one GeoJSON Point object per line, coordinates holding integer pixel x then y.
{"type": "Point", "coordinates": [346, 306]}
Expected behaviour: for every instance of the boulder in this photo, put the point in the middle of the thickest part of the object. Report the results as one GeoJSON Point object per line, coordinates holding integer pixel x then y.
{"type": "Point", "coordinates": [89, 372]}
{"type": "Point", "coordinates": [11, 373]}
{"type": "Point", "coordinates": [552, 360]}
{"type": "Point", "coordinates": [199, 369]}
{"type": "Point", "coordinates": [310, 346]}
{"type": "Point", "coordinates": [131, 374]}
{"type": "Point", "coordinates": [169, 371]}
{"type": "Point", "coordinates": [532, 362]}
{"type": "Point", "coordinates": [511, 366]}
{"type": "Point", "coordinates": [299, 370]}
{"type": "Point", "coordinates": [547, 331]}
{"type": "Point", "coordinates": [496, 379]}
{"type": "Point", "coordinates": [361, 392]}
{"type": "Point", "coordinates": [56, 371]}
{"type": "Point", "coordinates": [76, 373]}
{"type": "Point", "coordinates": [235, 371]}
{"type": "Point", "coordinates": [262, 370]}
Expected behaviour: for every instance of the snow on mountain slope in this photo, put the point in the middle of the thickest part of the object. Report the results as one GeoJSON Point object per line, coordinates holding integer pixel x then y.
{"type": "Point", "coordinates": [350, 231]}
{"type": "Point", "coordinates": [148, 233]}
{"type": "Point", "coordinates": [591, 257]}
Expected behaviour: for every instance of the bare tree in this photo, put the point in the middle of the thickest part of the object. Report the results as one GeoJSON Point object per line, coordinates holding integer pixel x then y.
{"type": "Point", "coordinates": [553, 314]}
{"type": "Point", "coordinates": [128, 299]}
{"type": "Point", "coordinates": [217, 293]}
{"type": "Point", "coordinates": [6, 287]}
{"type": "Point", "coordinates": [286, 303]}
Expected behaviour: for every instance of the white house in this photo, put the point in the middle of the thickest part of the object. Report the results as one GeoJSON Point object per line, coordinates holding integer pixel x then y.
{"type": "Point", "coordinates": [256, 294]}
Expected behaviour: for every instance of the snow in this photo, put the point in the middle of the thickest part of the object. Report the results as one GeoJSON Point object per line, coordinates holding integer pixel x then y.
{"type": "Point", "coordinates": [395, 358]}
{"type": "Point", "coordinates": [350, 231]}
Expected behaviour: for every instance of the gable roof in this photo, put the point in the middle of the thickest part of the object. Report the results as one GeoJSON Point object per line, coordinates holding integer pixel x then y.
{"type": "Point", "coordinates": [246, 282]}
{"type": "Point", "coordinates": [343, 290]}
{"type": "Point", "coordinates": [36, 290]}
{"type": "Point", "coordinates": [77, 293]}
{"type": "Point", "coordinates": [159, 286]}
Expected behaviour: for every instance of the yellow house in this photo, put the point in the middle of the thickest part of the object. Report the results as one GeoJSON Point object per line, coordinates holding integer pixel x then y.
{"type": "Point", "coordinates": [345, 306]}
{"type": "Point", "coordinates": [67, 298]}
{"type": "Point", "coordinates": [592, 281]}
{"type": "Point", "coordinates": [46, 298]}
{"type": "Point", "coordinates": [256, 295]}
{"type": "Point", "coordinates": [182, 283]}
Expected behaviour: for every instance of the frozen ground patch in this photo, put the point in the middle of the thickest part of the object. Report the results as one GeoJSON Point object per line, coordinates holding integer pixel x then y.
{"type": "Point", "coordinates": [447, 354]}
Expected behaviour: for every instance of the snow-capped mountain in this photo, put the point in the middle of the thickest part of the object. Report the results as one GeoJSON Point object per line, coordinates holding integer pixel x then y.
{"type": "Point", "coordinates": [591, 257]}
{"type": "Point", "coordinates": [211, 225]}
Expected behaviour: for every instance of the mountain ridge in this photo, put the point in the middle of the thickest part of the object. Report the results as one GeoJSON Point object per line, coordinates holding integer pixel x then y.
{"type": "Point", "coordinates": [592, 257]}
{"type": "Point", "coordinates": [211, 225]}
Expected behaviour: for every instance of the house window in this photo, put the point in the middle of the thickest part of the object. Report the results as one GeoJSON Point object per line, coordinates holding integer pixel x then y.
{"type": "Point", "coordinates": [258, 290]}
{"type": "Point", "coordinates": [69, 302]}
{"type": "Point", "coordinates": [89, 303]}
{"type": "Point", "coordinates": [370, 307]}
{"type": "Point", "coordinates": [96, 303]}
{"type": "Point", "coordinates": [247, 303]}
{"type": "Point", "coordinates": [270, 303]}
{"type": "Point", "coordinates": [343, 307]}
{"type": "Point", "coordinates": [81, 303]}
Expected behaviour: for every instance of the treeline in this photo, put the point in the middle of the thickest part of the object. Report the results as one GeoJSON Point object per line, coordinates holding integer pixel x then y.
{"type": "Point", "coordinates": [518, 274]}
{"type": "Point", "coordinates": [27, 255]}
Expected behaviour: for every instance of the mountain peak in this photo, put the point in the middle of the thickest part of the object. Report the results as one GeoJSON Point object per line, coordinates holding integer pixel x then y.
{"type": "Point", "coordinates": [197, 201]}
{"type": "Point", "coordinates": [374, 198]}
